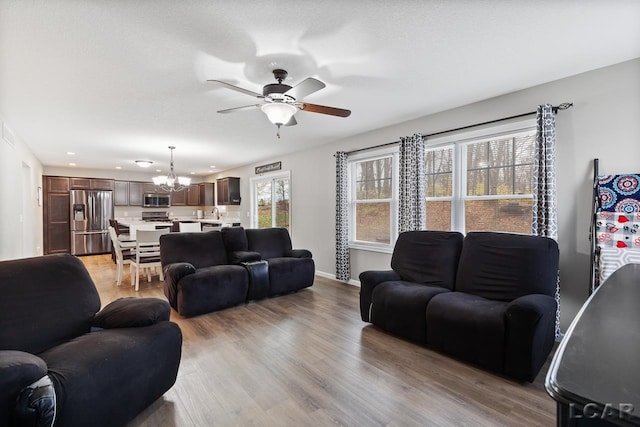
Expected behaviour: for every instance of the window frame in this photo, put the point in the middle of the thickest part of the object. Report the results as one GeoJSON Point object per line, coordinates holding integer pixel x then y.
{"type": "Point", "coordinates": [460, 141]}
{"type": "Point", "coordinates": [273, 176]}
{"type": "Point", "coordinates": [352, 161]}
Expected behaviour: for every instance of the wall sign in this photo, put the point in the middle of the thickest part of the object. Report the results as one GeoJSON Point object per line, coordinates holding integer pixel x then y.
{"type": "Point", "coordinates": [275, 166]}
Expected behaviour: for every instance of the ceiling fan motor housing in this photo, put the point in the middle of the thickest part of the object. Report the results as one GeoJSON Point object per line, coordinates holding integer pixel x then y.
{"type": "Point", "coordinates": [275, 88]}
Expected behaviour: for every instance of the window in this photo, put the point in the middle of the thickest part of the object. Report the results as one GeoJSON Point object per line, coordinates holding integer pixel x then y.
{"type": "Point", "coordinates": [271, 201]}
{"type": "Point", "coordinates": [373, 201]}
{"type": "Point", "coordinates": [481, 184]}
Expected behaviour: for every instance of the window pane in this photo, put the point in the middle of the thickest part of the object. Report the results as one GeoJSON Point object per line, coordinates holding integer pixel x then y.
{"type": "Point", "coordinates": [439, 172]}
{"type": "Point", "coordinates": [477, 182]}
{"type": "Point", "coordinates": [477, 155]}
{"type": "Point", "coordinates": [500, 181]}
{"type": "Point", "coordinates": [373, 222]}
{"type": "Point", "coordinates": [500, 152]}
{"type": "Point", "coordinates": [439, 215]}
{"type": "Point", "coordinates": [373, 179]}
{"type": "Point", "coordinates": [524, 179]}
{"type": "Point", "coordinates": [264, 204]}
{"type": "Point", "coordinates": [282, 202]}
{"type": "Point", "coordinates": [525, 149]}
{"type": "Point", "coordinates": [509, 215]}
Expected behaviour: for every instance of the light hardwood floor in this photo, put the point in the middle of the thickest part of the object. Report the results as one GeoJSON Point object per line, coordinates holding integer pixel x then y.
{"type": "Point", "coordinates": [306, 359]}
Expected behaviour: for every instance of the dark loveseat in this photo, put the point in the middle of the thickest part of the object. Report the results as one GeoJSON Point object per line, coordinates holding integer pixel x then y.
{"type": "Point", "coordinates": [213, 270]}
{"type": "Point", "coordinates": [104, 366]}
{"type": "Point", "coordinates": [487, 298]}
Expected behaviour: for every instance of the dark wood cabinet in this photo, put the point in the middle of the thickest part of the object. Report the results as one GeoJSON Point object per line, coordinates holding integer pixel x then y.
{"type": "Point", "coordinates": [80, 183]}
{"type": "Point", "coordinates": [206, 194]}
{"type": "Point", "coordinates": [193, 195]}
{"type": "Point", "coordinates": [56, 184]}
{"type": "Point", "coordinates": [121, 193]}
{"type": "Point", "coordinates": [179, 198]}
{"type": "Point", "coordinates": [136, 191]}
{"type": "Point", "coordinates": [56, 219]}
{"type": "Point", "coordinates": [102, 184]}
{"type": "Point", "coordinates": [228, 190]}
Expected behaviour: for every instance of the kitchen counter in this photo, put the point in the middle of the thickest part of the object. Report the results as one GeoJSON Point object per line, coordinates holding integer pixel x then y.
{"type": "Point", "coordinates": [135, 224]}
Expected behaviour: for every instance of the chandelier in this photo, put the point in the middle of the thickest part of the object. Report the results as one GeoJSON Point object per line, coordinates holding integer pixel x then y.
{"type": "Point", "coordinates": [171, 182]}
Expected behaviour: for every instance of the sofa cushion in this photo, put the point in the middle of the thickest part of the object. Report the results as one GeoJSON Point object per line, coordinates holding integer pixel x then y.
{"type": "Point", "coordinates": [45, 301]}
{"type": "Point", "coordinates": [469, 327]}
{"type": "Point", "coordinates": [290, 274]}
{"type": "Point", "coordinates": [505, 266]}
{"type": "Point", "coordinates": [400, 307]}
{"type": "Point", "coordinates": [270, 242]}
{"type": "Point", "coordinates": [107, 377]}
{"type": "Point", "coordinates": [199, 249]}
{"type": "Point", "coordinates": [235, 239]}
{"type": "Point", "coordinates": [428, 257]}
{"type": "Point", "coordinates": [212, 288]}
{"type": "Point", "coordinates": [132, 312]}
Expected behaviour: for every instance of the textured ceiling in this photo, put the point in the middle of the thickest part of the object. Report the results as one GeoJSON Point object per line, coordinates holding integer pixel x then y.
{"type": "Point", "coordinates": [115, 81]}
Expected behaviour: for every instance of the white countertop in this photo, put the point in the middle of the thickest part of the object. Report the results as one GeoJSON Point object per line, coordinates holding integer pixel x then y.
{"type": "Point", "coordinates": [129, 221]}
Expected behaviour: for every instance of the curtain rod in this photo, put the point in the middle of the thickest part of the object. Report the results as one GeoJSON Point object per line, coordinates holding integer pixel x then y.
{"type": "Point", "coordinates": [563, 106]}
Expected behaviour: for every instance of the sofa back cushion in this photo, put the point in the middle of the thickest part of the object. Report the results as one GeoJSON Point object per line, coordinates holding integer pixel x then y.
{"type": "Point", "coordinates": [199, 249]}
{"type": "Point", "coordinates": [235, 239]}
{"type": "Point", "coordinates": [45, 301]}
{"type": "Point", "coordinates": [428, 257]}
{"type": "Point", "coordinates": [269, 242]}
{"type": "Point", "coordinates": [503, 266]}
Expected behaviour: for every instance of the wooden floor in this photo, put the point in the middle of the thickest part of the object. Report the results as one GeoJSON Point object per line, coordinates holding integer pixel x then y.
{"type": "Point", "coordinates": [306, 359]}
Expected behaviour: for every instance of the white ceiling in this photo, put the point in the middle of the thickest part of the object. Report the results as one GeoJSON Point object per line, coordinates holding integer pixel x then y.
{"type": "Point", "coordinates": [115, 81]}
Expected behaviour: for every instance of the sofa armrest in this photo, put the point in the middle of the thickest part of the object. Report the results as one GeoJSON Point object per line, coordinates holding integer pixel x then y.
{"type": "Point", "coordinates": [368, 281]}
{"type": "Point", "coordinates": [530, 334]}
{"type": "Point", "coordinates": [299, 253]}
{"type": "Point", "coordinates": [17, 370]}
{"type": "Point", "coordinates": [238, 257]}
{"type": "Point", "coordinates": [131, 313]}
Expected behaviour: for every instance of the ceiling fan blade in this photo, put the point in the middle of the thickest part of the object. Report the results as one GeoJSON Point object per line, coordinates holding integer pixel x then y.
{"type": "Point", "coordinates": [314, 108]}
{"type": "Point", "coordinates": [238, 89]}
{"type": "Point", "coordinates": [292, 121]}
{"type": "Point", "coordinates": [246, 107]}
{"type": "Point", "coordinates": [305, 87]}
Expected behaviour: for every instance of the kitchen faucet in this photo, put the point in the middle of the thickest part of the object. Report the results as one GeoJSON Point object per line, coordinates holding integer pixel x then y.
{"type": "Point", "coordinates": [216, 212]}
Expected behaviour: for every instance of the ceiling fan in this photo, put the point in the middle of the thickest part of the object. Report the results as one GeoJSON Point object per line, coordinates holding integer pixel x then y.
{"type": "Point", "coordinates": [282, 101]}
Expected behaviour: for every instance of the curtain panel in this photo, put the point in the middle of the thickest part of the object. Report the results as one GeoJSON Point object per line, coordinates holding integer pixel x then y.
{"type": "Point", "coordinates": [343, 268]}
{"type": "Point", "coordinates": [411, 197]}
{"type": "Point", "coordinates": [545, 214]}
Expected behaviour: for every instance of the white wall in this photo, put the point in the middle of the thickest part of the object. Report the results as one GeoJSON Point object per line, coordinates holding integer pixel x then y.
{"type": "Point", "coordinates": [20, 177]}
{"type": "Point", "coordinates": [604, 123]}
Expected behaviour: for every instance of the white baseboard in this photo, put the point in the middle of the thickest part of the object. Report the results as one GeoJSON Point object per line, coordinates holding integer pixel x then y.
{"type": "Point", "coordinates": [351, 282]}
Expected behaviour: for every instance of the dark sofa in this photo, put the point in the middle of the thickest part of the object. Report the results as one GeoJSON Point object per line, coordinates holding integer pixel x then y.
{"type": "Point", "coordinates": [98, 368]}
{"type": "Point", "coordinates": [209, 271]}
{"type": "Point", "coordinates": [487, 299]}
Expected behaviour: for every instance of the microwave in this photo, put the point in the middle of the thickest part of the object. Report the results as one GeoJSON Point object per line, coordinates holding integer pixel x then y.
{"type": "Point", "coordinates": [154, 200]}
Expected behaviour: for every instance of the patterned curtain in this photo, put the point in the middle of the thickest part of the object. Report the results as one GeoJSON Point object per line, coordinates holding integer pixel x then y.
{"type": "Point", "coordinates": [545, 214]}
{"type": "Point", "coordinates": [411, 200]}
{"type": "Point", "coordinates": [343, 271]}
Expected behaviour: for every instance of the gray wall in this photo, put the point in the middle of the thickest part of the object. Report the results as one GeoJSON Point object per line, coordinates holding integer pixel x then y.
{"type": "Point", "coordinates": [604, 123]}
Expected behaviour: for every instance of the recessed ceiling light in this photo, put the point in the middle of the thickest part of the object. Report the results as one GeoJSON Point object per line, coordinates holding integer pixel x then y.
{"type": "Point", "coordinates": [72, 164]}
{"type": "Point", "coordinates": [158, 170]}
{"type": "Point", "coordinates": [71, 153]}
{"type": "Point", "coordinates": [118, 167]}
{"type": "Point", "coordinates": [193, 173]}
{"type": "Point", "coordinates": [144, 163]}
{"type": "Point", "coordinates": [212, 167]}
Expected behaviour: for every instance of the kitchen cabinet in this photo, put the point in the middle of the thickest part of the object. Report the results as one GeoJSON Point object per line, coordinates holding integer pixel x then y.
{"type": "Point", "coordinates": [80, 183]}
{"type": "Point", "coordinates": [150, 187]}
{"type": "Point", "coordinates": [136, 191]}
{"type": "Point", "coordinates": [179, 198]}
{"type": "Point", "coordinates": [121, 193]}
{"type": "Point", "coordinates": [228, 190]}
{"type": "Point", "coordinates": [102, 184]}
{"type": "Point", "coordinates": [91, 184]}
{"type": "Point", "coordinates": [206, 194]}
{"type": "Point", "coordinates": [56, 218]}
{"type": "Point", "coordinates": [193, 195]}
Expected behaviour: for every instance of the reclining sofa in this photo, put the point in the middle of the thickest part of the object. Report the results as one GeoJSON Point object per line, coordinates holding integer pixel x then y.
{"type": "Point", "coordinates": [487, 298]}
{"type": "Point", "coordinates": [209, 271]}
{"type": "Point", "coordinates": [63, 360]}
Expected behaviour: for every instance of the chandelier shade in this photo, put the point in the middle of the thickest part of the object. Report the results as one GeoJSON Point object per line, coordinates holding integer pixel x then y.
{"type": "Point", "coordinates": [171, 182]}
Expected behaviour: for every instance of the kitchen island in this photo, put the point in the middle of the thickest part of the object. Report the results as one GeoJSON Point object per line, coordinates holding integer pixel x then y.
{"type": "Point", "coordinates": [208, 224]}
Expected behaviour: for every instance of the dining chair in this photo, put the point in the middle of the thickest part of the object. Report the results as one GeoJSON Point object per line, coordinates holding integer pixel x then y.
{"type": "Point", "coordinates": [123, 256]}
{"type": "Point", "coordinates": [147, 255]}
{"type": "Point", "coordinates": [190, 227]}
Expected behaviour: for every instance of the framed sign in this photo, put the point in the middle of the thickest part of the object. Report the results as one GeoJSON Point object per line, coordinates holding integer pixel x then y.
{"type": "Point", "coordinates": [275, 166]}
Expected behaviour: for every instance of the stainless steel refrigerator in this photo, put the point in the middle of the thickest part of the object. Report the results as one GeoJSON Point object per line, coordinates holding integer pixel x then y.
{"type": "Point", "coordinates": [91, 211]}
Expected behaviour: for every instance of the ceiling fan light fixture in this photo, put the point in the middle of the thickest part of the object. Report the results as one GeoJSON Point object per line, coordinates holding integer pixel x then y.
{"type": "Point", "coordinates": [144, 163]}
{"type": "Point", "coordinates": [278, 113]}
